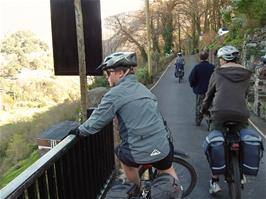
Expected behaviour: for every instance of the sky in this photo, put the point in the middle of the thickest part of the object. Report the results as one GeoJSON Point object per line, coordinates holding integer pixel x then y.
{"type": "Point", "coordinates": [34, 15]}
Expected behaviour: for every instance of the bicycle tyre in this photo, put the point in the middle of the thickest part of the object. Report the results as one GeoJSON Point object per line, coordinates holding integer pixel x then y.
{"type": "Point", "coordinates": [208, 123]}
{"type": "Point", "coordinates": [179, 79]}
{"type": "Point", "coordinates": [186, 174]}
{"type": "Point", "coordinates": [184, 170]}
{"type": "Point", "coordinates": [235, 184]}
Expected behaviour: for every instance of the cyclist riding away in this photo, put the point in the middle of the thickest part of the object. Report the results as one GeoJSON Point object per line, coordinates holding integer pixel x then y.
{"type": "Point", "coordinates": [227, 91]}
{"type": "Point", "coordinates": [144, 137]}
{"type": "Point", "coordinates": [180, 63]}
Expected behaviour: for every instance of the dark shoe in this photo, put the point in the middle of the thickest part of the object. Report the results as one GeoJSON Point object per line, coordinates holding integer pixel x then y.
{"type": "Point", "coordinates": [197, 123]}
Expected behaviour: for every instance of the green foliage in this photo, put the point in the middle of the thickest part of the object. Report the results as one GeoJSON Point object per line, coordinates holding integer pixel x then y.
{"type": "Point", "coordinates": [22, 42]}
{"type": "Point", "coordinates": [241, 17]}
{"type": "Point", "coordinates": [18, 148]}
{"type": "Point", "coordinates": [29, 87]}
{"type": "Point", "coordinates": [18, 139]}
{"type": "Point", "coordinates": [236, 37]}
{"type": "Point", "coordinates": [142, 74]}
{"type": "Point", "coordinates": [47, 91]}
{"type": "Point", "coordinates": [164, 61]}
{"type": "Point", "coordinates": [226, 14]}
{"type": "Point", "coordinates": [100, 81]}
{"type": "Point", "coordinates": [253, 51]}
{"type": "Point", "coordinates": [168, 39]}
{"type": "Point", "coordinates": [14, 171]}
{"type": "Point", "coordinates": [263, 110]}
{"type": "Point", "coordinates": [23, 49]}
{"type": "Point", "coordinates": [253, 9]}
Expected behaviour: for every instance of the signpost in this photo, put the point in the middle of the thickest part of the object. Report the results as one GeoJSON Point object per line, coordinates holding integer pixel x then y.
{"type": "Point", "coordinates": [81, 60]}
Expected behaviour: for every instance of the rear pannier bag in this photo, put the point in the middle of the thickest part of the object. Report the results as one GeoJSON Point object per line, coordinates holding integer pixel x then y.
{"type": "Point", "coordinates": [214, 150]}
{"type": "Point", "coordinates": [119, 191]}
{"type": "Point", "coordinates": [251, 151]}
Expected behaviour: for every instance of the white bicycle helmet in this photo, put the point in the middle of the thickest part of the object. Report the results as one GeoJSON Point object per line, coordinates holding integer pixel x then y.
{"type": "Point", "coordinates": [222, 31]}
{"type": "Point", "coordinates": [263, 59]}
{"type": "Point", "coordinates": [228, 53]}
{"type": "Point", "coordinates": [119, 59]}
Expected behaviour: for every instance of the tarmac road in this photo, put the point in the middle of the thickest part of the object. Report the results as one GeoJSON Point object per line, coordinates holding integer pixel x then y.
{"type": "Point", "coordinates": [177, 104]}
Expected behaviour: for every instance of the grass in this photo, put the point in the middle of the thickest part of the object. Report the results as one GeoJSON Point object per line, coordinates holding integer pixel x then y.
{"type": "Point", "coordinates": [14, 171]}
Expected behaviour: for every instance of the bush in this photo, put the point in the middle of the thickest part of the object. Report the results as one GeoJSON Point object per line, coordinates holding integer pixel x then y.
{"type": "Point", "coordinates": [164, 61]}
{"type": "Point", "coordinates": [254, 10]}
{"type": "Point", "coordinates": [236, 34]}
{"type": "Point", "coordinates": [19, 138]}
{"type": "Point", "coordinates": [14, 171]}
{"type": "Point", "coordinates": [142, 74]}
{"type": "Point", "coordinates": [8, 102]}
{"type": "Point", "coordinates": [263, 110]}
{"type": "Point", "coordinates": [99, 81]}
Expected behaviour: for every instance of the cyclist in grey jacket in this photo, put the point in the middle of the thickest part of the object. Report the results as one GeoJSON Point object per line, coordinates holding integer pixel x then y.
{"type": "Point", "coordinates": [144, 137]}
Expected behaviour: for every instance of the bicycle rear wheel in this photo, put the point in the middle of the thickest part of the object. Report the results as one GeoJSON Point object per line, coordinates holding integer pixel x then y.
{"type": "Point", "coordinates": [186, 174]}
{"type": "Point", "coordinates": [184, 170]}
{"type": "Point", "coordinates": [235, 183]}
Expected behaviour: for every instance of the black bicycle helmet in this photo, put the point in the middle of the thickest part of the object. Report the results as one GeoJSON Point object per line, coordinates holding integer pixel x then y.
{"type": "Point", "coordinates": [119, 59]}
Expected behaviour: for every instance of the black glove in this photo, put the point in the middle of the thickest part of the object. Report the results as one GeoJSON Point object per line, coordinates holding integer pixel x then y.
{"type": "Point", "coordinates": [202, 111]}
{"type": "Point", "coordinates": [74, 132]}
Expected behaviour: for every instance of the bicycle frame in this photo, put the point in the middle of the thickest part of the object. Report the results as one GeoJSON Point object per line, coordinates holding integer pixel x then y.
{"type": "Point", "coordinates": [234, 175]}
{"type": "Point", "coordinates": [186, 174]}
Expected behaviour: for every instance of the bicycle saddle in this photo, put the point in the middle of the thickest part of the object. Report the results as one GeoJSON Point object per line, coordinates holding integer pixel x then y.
{"type": "Point", "coordinates": [230, 123]}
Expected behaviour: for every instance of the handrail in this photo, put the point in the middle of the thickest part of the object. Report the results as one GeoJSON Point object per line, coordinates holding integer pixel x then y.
{"type": "Point", "coordinates": [29, 175]}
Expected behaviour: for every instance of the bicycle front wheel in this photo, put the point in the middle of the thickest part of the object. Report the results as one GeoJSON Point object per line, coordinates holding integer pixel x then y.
{"type": "Point", "coordinates": [186, 174]}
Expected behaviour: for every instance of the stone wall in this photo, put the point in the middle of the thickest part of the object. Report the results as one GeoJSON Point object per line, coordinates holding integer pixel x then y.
{"type": "Point", "coordinates": [253, 49]}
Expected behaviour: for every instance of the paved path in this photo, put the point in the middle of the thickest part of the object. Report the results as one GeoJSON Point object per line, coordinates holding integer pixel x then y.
{"type": "Point", "coordinates": [177, 104]}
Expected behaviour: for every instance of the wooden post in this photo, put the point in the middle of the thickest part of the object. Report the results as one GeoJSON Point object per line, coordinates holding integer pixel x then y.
{"type": "Point", "coordinates": [149, 40]}
{"type": "Point", "coordinates": [81, 60]}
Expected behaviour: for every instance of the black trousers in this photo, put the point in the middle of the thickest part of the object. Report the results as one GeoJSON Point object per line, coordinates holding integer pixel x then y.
{"type": "Point", "coordinates": [199, 100]}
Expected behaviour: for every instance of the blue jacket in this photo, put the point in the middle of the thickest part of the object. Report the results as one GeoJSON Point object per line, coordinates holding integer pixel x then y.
{"type": "Point", "coordinates": [200, 76]}
{"type": "Point", "coordinates": [144, 138]}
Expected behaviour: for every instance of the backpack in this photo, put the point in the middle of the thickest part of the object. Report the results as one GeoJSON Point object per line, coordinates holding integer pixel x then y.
{"type": "Point", "coordinates": [214, 151]}
{"type": "Point", "coordinates": [180, 60]}
{"type": "Point", "coordinates": [251, 151]}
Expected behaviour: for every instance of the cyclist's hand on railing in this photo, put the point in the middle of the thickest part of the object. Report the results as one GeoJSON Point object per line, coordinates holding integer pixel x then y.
{"type": "Point", "coordinates": [74, 132]}
{"type": "Point", "coordinates": [201, 112]}
{"type": "Point", "coordinates": [208, 113]}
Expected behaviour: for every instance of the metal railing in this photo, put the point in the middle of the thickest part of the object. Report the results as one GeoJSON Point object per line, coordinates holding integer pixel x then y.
{"type": "Point", "coordinates": [76, 168]}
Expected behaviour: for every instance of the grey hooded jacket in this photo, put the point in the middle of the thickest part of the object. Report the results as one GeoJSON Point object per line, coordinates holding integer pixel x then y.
{"type": "Point", "coordinates": [227, 93]}
{"type": "Point", "coordinates": [144, 138]}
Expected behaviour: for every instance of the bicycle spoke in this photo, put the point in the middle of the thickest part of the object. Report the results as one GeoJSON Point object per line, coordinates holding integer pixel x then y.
{"type": "Point", "coordinates": [186, 174]}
